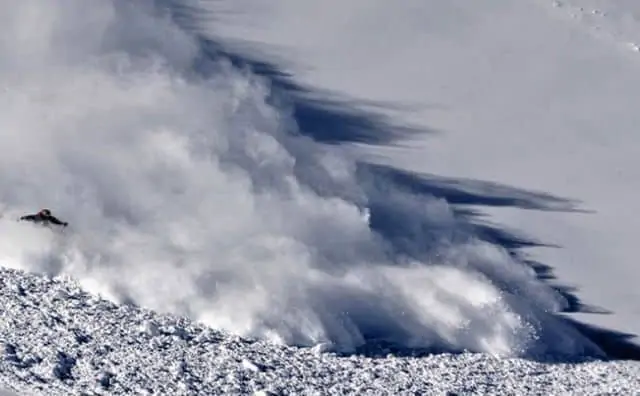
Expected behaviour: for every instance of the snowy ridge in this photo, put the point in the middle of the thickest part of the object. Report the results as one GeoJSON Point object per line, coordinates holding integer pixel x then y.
{"type": "Point", "coordinates": [58, 340]}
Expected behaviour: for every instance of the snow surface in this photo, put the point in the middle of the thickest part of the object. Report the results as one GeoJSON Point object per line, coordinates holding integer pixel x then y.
{"type": "Point", "coordinates": [60, 340]}
{"type": "Point", "coordinates": [195, 186]}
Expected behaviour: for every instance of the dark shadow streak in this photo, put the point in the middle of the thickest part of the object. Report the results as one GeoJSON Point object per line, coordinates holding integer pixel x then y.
{"type": "Point", "coordinates": [331, 121]}
{"type": "Point", "coordinates": [475, 192]}
{"type": "Point", "coordinates": [617, 345]}
{"type": "Point", "coordinates": [328, 119]}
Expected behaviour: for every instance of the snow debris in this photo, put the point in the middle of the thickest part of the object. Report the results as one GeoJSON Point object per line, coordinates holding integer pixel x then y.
{"type": "Point", "coordinates": [83, 345]}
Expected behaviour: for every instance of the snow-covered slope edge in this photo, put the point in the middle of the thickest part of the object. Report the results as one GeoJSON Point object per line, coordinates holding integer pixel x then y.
{"type": "Point", "coordinates": [59, 340]}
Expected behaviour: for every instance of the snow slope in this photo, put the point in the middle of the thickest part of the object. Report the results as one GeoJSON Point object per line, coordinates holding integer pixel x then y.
{"type": "Point", "coordinates": [194, 187]}
{"type": "Point", "coordinates": [537, 95]}
{"type": "Point", "coordinates": [59, 340]}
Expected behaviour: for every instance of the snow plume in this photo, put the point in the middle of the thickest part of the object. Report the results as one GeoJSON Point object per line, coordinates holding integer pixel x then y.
{"type": "Point", "coordinates": [183, 195]}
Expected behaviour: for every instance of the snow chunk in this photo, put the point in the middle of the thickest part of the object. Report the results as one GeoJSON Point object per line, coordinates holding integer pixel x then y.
{"type": "Point", "coordinates": [248, 365]}
{"type": "Point", "coordinates": [149, 328]}
{"type": "Point", "coordinates": [264, 393]}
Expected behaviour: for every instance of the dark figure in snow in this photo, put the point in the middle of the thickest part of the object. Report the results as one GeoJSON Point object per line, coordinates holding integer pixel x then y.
{"type": "Point", "coordinates": [44, 217]}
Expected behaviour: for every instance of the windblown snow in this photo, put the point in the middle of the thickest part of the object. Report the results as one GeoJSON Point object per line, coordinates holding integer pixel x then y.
{"type": "Point", "coordinates": [536, 94]}
{"type": "Point", "coordinates": [211, 241]}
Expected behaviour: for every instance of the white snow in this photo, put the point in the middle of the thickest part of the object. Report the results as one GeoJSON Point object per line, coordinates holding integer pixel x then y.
{"type": "Point", "coordinates": [194, 195]}
{"type": "Point", "coordinates": [215, 248]}
{"type": "Point", "coordinates": [81, 344]}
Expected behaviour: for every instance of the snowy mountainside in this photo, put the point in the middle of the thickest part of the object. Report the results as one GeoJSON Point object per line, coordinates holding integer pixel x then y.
{"type": "Point", "coordinates": [59, 340]}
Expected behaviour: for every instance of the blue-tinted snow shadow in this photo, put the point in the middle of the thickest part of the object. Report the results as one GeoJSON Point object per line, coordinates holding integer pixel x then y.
{"type": "Point", "coordinates": [332, 120]}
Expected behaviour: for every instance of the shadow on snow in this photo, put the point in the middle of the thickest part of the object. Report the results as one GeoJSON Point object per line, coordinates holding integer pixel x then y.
{"type": "Point", "coordinates": [331, 120]}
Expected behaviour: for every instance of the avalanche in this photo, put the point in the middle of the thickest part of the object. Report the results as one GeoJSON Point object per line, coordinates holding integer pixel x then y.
{"type": "Point", "coordinates": [216, 245]}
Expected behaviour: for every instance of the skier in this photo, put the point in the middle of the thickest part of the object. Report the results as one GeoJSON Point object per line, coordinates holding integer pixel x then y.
{"type": "Point", "coordinates": [44, 217]}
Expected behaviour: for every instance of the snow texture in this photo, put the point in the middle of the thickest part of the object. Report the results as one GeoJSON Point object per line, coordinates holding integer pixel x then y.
{"type": "Point", "coordinates": [59, 340]}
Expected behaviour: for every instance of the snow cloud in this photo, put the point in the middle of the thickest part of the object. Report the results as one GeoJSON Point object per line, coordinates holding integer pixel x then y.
{"type": "Point", "coordinates": [183, 195]}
